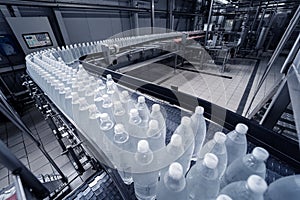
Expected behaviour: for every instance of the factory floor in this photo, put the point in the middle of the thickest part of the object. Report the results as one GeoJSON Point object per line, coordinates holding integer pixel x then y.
{"type": "Point", "coordinates": [24, 148]}
{"type": "Point", "coordinates": [232, 89]}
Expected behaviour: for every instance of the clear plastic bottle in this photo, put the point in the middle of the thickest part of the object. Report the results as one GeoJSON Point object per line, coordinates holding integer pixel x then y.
{"type": "Point", "coordinates": [75, 106]}
{"type": "Point", "coordinates": [175, 150]}
{"type": "Point", "coordinates": [186, 132]}
{"type": "Point", "coordinates": [106, 126]}
{"type": "Point", "coordinates": [134, 124]}
{"type": "Point", "coordinates": [143, 111]}
{"type": "Point", "coordinates": [154, 136]}
{"type": "Point", "coordinates": [158, 116]}
{"type": "Point", "coordinates": [251, 189]}
{"type": "Point", "coordinates": [89, 94]}
{"type": "Point", "coordinates": [198, 125]}
{"type": "Point", "coordinates": [121, 139]}
{"type": "Point", "coordinates": [202, 179]}
{"type": "Point", "coordinates": [145, 183]}
{"type": "Point", "coordinates": [236, 143]}
{"type": "Point", "coordinates": [241, 168]}
{"type": "Point", "coordinates": [284, 188]}
{"type": "Point", "coordinates": [217, 147]}
{"type": "Point", "coordinates": [83, 115]}
{"type": "Point", "coordinates": [120, 114]}
{"type": "Point", "coordinates": [94, 130]}
{"type": "Point", "coordinates": [173, 184]}
{"type": "Point", "coordinates": [68, 102]}
{"type": "Point", "coordinates": [107, 105]}
{"type": "Point", "coordinates": [127, 101]}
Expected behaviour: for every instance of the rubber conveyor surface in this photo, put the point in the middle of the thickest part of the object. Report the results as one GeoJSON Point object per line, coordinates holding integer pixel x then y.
{"type": "Point", "coordinates": [275, 167]}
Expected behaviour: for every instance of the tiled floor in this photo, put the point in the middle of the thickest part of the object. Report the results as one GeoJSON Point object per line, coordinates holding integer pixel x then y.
{"type": "Point", "coordinates": [209, 84]}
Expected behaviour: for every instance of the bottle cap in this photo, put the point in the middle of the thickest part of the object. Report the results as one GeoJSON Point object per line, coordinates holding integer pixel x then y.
{"type": "Point", "coordinates": [125, 93]}
{"type": "Point", "coordinates": [241, 128]}
{"type": "Point", "coordinates": [257, 184]}
{"type": "Point", "coordinates": [155, 107]}
{"type": "Point", "coordinates": [104, 116]}
{"type": "Point", "coordinates": [108, 76]}
{"type": "Point", "coordinates": [260, 153]}
{"type": "Point", "coordinates": [176, 170]}
{"type": "Point", "coordinates": [199, 110]}
{"type": "Point", "coordinates": [223, 197]}
{"type": "Point", "coordinates": [210, 160]}
{"type": "Point", "coordinates": [75, 96]}
{"type": "Point", "coordinates": [93, 108]}
{"type": "Point", "coordinates": [133, 112]}
{"type": "Point", "coordinates": [141, 99]}
{"type": "Point", "coordinates": [220, 137]}
{"type": "Point", "coordinates": [176, 140]}
{"type": "Point", "coordinates": [119, 128]}
{"type": "Point", "coordinates": [82, 101]}
{"type": "Point", "coordinates": [143, 146]}
{"type": "Point", "coordinates": [153, 124]}
{"type": "Point", "coordinates": [105, 96]}
{"type": "Point", "coordinates": [186, 121]}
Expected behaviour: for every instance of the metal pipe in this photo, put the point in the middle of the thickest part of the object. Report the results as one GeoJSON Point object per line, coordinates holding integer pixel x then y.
{"type": "Point", "coordinates": [293, 52]}
{"type": "Point", "coordinates": [208, 21]}
{"type": "Point", "coordinates": [152, 17]}
{"type": "Point", "coordinates": [294, 21]}
{"type": "Point", "coordinates": [10, 161]}
{"type": "Point", "coordinates": [19, 188]}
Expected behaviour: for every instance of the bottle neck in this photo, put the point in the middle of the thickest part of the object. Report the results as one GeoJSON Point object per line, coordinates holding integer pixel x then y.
{"type": "Point", "coordinates": [206, 172]}
{"type": "Point", "coordinates": [172, 184]}
{"type": "Point", "coordinates": [144, 158]}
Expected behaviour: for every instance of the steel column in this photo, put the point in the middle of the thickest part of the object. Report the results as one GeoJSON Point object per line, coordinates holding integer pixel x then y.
{"type": "Point", "coordinates": [208, 21]}
{"type": "Point", "coordinates": [152, 17]}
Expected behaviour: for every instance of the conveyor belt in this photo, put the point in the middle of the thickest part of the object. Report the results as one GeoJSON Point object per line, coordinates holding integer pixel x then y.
{"type": "Point", "coordinates": [275, 167]}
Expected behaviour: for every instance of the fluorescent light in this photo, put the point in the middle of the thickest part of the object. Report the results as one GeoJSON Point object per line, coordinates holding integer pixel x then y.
{"type": "Point", "coordinates": [222, 1]}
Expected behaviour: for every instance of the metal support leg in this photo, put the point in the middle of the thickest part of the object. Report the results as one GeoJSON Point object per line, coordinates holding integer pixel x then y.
{"type": "Point", "coordinates": [278, 105]}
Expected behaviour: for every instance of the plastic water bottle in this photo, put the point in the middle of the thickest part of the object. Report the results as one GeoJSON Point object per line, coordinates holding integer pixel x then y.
{"type": "Point", "coordinates": [284, 188]}
{"type": "Point", "coordinates": [107, 105]}
{"type": "Point", "coordinates": [120, 114]}
{"type": "Point", "coordinates": [241, 168]}
{"type": "Point", "coordinates": [145, 183]}
{"type": "Point", "coordinates": [127, 101]}
{"type": "Point", "coordinates": [121, 139]}
{"type": "Point", "coordinates": [134, 124]}
{"type": "Point", "coordinates": [223, 197]}
{"type": "Point", "coordinates": [175, 151]}
{"type": "Point", "coordinates": [186, 133]}
{"type": "Point", "coordinates": [143, 111]}
{"type": "Point", "coordinates": [236, 143]}
{"type": "Point", "coordinates": [75, 106]}
{"type": "Point", "coordinates": [83, 114]}
{"type": "Point", "coordinates": [68, 102]}
{"type": "Point", "coordinates": [106, 126]}
{"type": "Point", "coordinates": [158, 116]}
{"type": "Point", "coordinates": [94, 130]}
{"type": "Point", "coordinates": [217, 147]}
{"type": "Point", "coordinates": [89, 95]}
{"type": "Point", "coordinates": [154, 136]}
{"type": "Point", "coordinates": [199, 128]}
{"type": "Point", "coordinates": [202, 179]}
{"type": "Point", "coordinates": [173, 184]}
{"type": "Point", "coordinates": [111, 90]}
{"type": "Point", "coordinates": [251, 189]}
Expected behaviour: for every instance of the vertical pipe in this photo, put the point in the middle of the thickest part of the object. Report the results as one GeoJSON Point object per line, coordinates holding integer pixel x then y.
{"type": "Point", "coordinates": [152, 17]}
{"type": "Point", "coordinates": [208, 21]}
{"type": "Point", "coordinates": [170, 14]}
{"type": "Point", "coordinates": [294, 21]}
